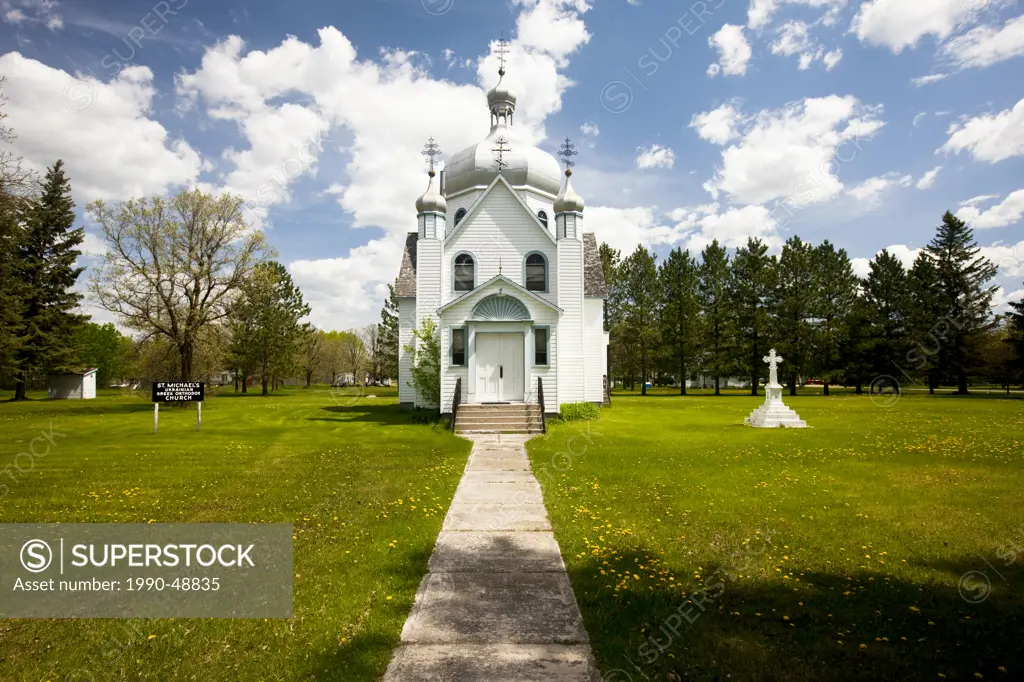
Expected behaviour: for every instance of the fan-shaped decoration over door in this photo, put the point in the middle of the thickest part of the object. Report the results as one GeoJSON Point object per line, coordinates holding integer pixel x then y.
{"type": "Point", "coordinates": [501, 308]}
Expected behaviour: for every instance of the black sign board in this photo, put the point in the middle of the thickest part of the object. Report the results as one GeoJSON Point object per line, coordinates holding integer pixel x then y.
{"type": "Point", "coordinates": [178, 391]}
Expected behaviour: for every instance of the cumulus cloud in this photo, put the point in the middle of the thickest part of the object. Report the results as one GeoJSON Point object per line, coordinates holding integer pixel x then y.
{"type": "Point", "coordinates": [928, 179]}
{"type": "Point", "coordinates": [111, 147]}
{"type": "Point", "coordinates": [1007, 212]}
{"type": "Point", "coordinates": [794, 38]}
{"type": "Point", "coordinates": [986, 45]}
{"type": "Point", "coordinates": [898, 24]}
{"type": "Point", "coordinates": [794, 152]}
{"type": "Point", "coordinates": [871, 190]}
{"type": "Point", "coordinates": [989, 137]}
{"type": "Point", "coordinates": [733, 51]}
{"type": "Point", "coordinates": [719, 125]}
{"type": "Point", "coordinates": [731, 227]}
{"type": "Point", "coordinates": [760, 12]}
{"type": "Point", "coordinates": [44, 12]}
{"type": "Point", "coordinates": [655, 157]}
{"type": "Point", "coordinates": [590, 129]}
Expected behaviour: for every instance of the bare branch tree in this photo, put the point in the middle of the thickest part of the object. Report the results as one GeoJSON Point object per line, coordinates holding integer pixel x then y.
{"type": "Point", "coordinates": [172, 264]}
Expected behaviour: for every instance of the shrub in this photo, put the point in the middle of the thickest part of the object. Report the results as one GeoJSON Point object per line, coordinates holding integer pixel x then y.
{"type": "Point", "coordinates": [579, 412]}
{"type": "Point", "coordinates": [426, 363]}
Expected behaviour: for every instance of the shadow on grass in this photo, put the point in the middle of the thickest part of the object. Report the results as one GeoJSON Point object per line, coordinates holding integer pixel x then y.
{"type": "Point", "coordinates": [386, 415]}
{"type": "Point", "coordinates": [811, 629]}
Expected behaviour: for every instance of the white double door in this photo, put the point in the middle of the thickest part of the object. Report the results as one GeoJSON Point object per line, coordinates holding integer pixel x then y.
{"type": "Point", "coordinates": [499, 367]}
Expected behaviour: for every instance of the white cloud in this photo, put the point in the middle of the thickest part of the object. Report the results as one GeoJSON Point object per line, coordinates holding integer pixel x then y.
{"type": "Point", "coordinates": [990, 137]}
{"type": "Point", "coordinates": [732, 228]}
{"type": "Point", "coordinates": [43, 12]}
{"type": "Point", "coordinates": [903, 253]}
{"type": "Point", "coordinates": [979, 199]}
{"type": "Point", "coordinates": [795, 152]}
{"type": "Point", "coordinates": [898, 24]}
{"type": "Point", "coordinates": [590, 129]}
{"type": "Point", "coordinates": [102, 131]}
{"type": "Point", "coordinates": [928, 179]}
{"type": "Point", "coordinates": [655, 157]}
{"type": "Point", "coordinates": [918, 118]}
{"type": "Point", "coordinates": [930, 78]}
{"type": "Point", "coordinates": [832, 58]}
{"type": "Point", "coordinates": [760, 12]}
{"type": "Point", "coordinates": [625, 228]}
{"type": "Point", "coordinates": [794, 38]}
{"type": "Point", "coordinates": [384, 110]}
{"type": "Point", "coordinates": [733, 51]}
{"type": "Point", "coordinates": [986, 45]}
{"type": "Point", "coordinates": [718, 125]}
{"type": "Point", "coordinates": [1007, 212]}
{"type": "Point", "coordinates": [871, 190]}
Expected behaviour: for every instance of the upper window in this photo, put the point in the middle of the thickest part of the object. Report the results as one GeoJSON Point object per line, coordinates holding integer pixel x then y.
{"type": "Point", "coordinates": [459, 346]}
{"type": "Point", "coordinates": [536, 272]}
{"type": "Point", "coordinates": [543, 218]}
{"type": "Point", "coordinates": [465, 272]}
{"type": "Point", "coordinates": [459, 215]}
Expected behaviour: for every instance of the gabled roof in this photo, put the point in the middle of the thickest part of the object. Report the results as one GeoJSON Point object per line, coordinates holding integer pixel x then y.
{"type": "Point", "coordinates": [480, 292]}
{"type": "Point", "coordinates": [480, 200]}
{"type": "Point", "coordinates": [405, 285]}
{"type": "Point", "coordinates": [593, 270]}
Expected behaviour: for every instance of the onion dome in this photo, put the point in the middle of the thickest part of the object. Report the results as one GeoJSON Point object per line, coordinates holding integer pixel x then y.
{"type": "Point", "coordinates": [568, 201]}
{"type": "Point", "coordinates": [431, 201]}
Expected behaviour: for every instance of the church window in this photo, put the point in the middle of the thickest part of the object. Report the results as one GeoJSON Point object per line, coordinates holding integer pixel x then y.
{"type": "Point", "coordinates": [465, 272]}
{"type": "Point", "coordinates": [459, 215]}
{"type": "Point", "coordinates": [540, 345]}
{"type": "Point", "coordinates": [459, 346]}
{"type": "Point", "coordinates": [543, 218]}
{"type": "Point", "coordinates": [536, 272]}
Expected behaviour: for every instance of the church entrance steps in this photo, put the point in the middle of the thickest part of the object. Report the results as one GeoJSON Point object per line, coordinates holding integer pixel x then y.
{"type": "Point", "coordinates": [499, 418]}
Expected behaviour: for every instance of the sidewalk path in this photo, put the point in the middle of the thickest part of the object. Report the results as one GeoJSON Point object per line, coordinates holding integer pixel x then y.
{"type": "Point", "coordinates": [496, 604]}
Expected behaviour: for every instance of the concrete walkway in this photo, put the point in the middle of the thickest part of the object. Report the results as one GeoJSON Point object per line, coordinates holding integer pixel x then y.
{"type": "Point", "coordinates": [496, 604]}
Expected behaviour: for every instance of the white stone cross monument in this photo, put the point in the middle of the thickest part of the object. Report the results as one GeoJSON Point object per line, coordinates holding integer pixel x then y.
{"type": "Point", "coordinates": [773, 412]}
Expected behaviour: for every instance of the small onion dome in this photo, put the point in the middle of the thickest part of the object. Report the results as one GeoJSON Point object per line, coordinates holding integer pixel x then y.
{"type": "Point", "coordinates": [568, 201]}
{"type": "Point", "coordinates": [500, 95]}
{"type": "Point", "coordinates": [431, 199]}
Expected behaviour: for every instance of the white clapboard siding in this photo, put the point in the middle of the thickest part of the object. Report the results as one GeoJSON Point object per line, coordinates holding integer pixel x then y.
{"type": "Point", "coordinates": [570, 327]}
{"type": "Point", "coordinates": [499, 235]}
{"type": "Point", "coordinates": [406, 324]}
{"type": "Point", "coordinates": [464, 200]}
{"type": "Point", "coordinates": [428, 286]}
{"type": "Point", "coordinates": [595, 357]}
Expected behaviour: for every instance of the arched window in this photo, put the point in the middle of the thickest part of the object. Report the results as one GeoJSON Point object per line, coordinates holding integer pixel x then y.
{"type": "Point", "coordinates": [536, 275]}
{"type": "Point", "coordinates": [459, 215]}
{"type": "Point", "coordinates": [464, 274]}
{"type": "Point", "coordinates": [543, 218]}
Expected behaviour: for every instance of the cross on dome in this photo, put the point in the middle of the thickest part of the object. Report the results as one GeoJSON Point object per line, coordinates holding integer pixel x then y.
{"type": "Point", "coordinates": [567, 151]}
{"type": "Point", "coordinates": [502, 52]}
{"type": "Point", "coordinates": [430, 150]}
{"type": "Point", "coordinates": [500, 150]}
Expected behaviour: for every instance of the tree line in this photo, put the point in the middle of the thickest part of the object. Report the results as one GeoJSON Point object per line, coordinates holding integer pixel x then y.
{"type": "Point", "coordinates": [718, 316]}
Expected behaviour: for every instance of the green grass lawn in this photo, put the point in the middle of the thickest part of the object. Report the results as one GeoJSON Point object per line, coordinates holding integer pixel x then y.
{"type": "Point", "coordinates": [365, 488]}
{"type": "Point", "coordinates": [877, 545]}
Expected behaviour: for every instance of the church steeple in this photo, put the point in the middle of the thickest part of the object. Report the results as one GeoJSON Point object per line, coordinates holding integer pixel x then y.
{"type": "Point", "coordinates": [501, 100]}
{"type": "Point", "coordinates": [568, 204]}
{"type": "Point", "coordinates": [431, 206]}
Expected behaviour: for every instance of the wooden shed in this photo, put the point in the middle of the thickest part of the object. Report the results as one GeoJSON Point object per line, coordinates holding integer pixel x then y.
{"type": "Point", "coordinates": [73, 385]}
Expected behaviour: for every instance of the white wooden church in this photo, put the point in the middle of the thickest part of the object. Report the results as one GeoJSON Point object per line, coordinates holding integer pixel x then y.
{"type": "Point", "coordinates": [501, 263]}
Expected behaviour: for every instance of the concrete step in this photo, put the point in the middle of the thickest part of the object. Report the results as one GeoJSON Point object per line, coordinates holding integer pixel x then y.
{"type": "Point", "coordinates": [498, 424]}
{"type": "Point", "coordinates": [481, 418]}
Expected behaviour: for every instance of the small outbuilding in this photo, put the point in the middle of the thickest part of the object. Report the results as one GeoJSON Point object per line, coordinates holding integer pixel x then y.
{"type": "Point", "coordinates": [73, 385]}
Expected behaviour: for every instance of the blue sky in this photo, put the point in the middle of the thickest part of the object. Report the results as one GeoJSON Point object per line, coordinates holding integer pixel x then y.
{"type": "Point", "coordinates": [717, 119]}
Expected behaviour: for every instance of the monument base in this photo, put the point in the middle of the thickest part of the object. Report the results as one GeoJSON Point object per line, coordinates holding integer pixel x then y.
{"type": "Point", "coordinates": [774, 413]}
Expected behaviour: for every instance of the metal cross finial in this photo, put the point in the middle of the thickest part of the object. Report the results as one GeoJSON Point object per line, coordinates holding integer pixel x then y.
{"type": "Point", "coordinates": [499, 152]}
{"type": "Point", "coordinates": [567, 152]}
{"type": "Point", "coordinates": [430, 150]}
{"type": "Point", "coordinates": [502, 52]}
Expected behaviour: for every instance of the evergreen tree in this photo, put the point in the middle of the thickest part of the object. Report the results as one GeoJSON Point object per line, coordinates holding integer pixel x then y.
{"type": "Point", "coordinates": [888, 309]}
{"type": "Point", "coordinates": [387, 335]}
{"type": "Point", "coordinates": [965, 297]}
{"type": "Point", "coordinates": [264, 322]}
{"type": "Point", "coordinates": [680, 313]}
{"type": "Point", "coordinates": [926, 312]}
{"type": "Point", "coordinates": [45, 263]}
{"type": "Point", "coordinates": [795, 303]}
{"type": "Point", "coordinates": [712, 294]}
{"type": "Point", "coordinates": [638, 279]}
{"type": "Point", "coordinates": [1016, 336]}
{"type": "Point", "coordinates": [836, 293]}
{"type": "Point", "coordinates": [11, 294]}
{"type": "Point", "coordinates": [752, 280]}
{"type": "Point", "coordinates": [855, 346]}
{"type": "Point", "coordinates": [610, 265]}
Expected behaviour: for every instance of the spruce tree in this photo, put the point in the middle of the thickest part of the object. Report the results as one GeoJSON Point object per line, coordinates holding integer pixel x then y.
{"type": "Point", "coordinates": [855, 346]}
{"type": "Point", "coordinates": [638, 280]}
{"type": "Point", "coordinates": [11, 295]}
{"type": "Point", "coordinates": [1016, 316]}
{"type": "Point", "coordinates": [966, 299]}
{"type": "Point", "coordinates": [926, 312]}
{"type": "Point", "coordinates": [751, 283]}
{"type": "Point", "coordinates": [387, 335]}
{"type": "Point", "coordinates": [46, 265]}
{"type": "Point", "coordinates": [888, 310]}
{"type": "Point", "coordinates": [836, 293]}
{"type": "Point", "coordinates": [680, 313]}
{"type": "Point", "coordinates": [712, 293]}
{"type": "Point", "coordinates": [795, 303]}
